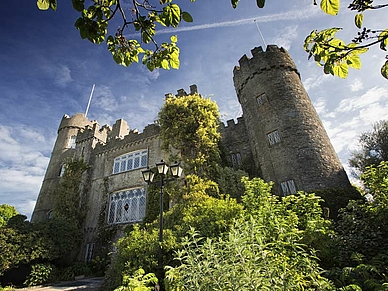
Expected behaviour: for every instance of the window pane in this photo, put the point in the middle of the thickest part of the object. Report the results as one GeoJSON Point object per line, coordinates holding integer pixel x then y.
{"type": "Point", "coordinates": [291, 186]}
{"type": "Point", "coordinates": [112, 210]}
{"type": "Point", "coordinates": [123, 166]}
{"type": "Point", "coordinates": [71, 144]}
{"type": "Point", "coordinates": [284, 188]}
{"type": "Point", "coordinates": [271, 139]}
{"type": "Point", "coordinates": [144, 160]}
{"type": "Point", "coordinates": [276, 136]}
{"type": "Point", "coordinates": [116, 167]}
{"type": "Point", "coordinates": [119, 210]}
{"type": "Point", "coordinates": [136, 163]}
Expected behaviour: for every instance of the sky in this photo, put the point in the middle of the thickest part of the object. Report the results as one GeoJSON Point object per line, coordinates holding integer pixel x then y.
{"type": "Point", "coordinates": [47, 70]}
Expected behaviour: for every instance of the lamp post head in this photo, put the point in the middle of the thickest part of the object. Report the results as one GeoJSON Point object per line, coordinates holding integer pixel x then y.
{"type": "Point", "coordinates": [176, 170]}
{"type": "Point", "coordinates": [162, 167]}
{"type": "Point", "coordinates": [148, 175]}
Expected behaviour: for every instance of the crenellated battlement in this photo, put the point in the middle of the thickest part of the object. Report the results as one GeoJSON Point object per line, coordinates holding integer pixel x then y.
{"type": "Point", "coordinates": [182, 92]}
{"type": "Point", "coordinates": [232, 125]}
{"type": "Point", "coordinates": [78, 120]}
{"type": "Point", "coordinates": [94, 131]}
{"type": "Point", "coordinates": [133, 136]}
{"type": "Point", "coordinates": [264, 61]}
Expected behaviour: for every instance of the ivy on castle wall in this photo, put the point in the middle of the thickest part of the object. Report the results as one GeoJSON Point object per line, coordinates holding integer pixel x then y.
{"type": "Point", "coordinates": [105, 232]}
{"type": "Point", "coordinates": [189, 124]}
{"type": "Point", "coordinates": [70, 195]}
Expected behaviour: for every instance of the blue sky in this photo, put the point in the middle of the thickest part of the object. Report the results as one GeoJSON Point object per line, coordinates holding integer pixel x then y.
{"type": "Point", "coordinates": [46, 71]}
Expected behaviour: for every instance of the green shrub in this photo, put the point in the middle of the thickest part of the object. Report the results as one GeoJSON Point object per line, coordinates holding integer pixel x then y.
{"type": "Point", "coordinates": [40, 274]}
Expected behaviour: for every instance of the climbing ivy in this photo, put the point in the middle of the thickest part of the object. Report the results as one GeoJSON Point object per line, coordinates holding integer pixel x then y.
{"type": "Point", "coordinates": [189, 124]}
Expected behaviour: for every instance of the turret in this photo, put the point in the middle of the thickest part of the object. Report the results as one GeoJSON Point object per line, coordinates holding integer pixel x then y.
{"type": "Point", "coordinates": [288, 140]}
{"type": "Point", "coordinates": [64, 148]}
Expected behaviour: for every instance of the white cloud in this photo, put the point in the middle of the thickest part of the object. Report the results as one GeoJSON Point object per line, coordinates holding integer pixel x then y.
{"type": "Point", "coordinates": [103, 98]}
{"type": "Point", "coordinates": [316, 81]}
{"type": "Point", "coordinates": [373, 95]}
{"type": "Point", "coordinates": [307, 12]}
{"type": "Point", "coordinates": [62, 76]}
{"type": "Point", "coordinates": [357, 85]}
{"type": "Point", "coordinates": [286, 37]}
{"type": "Point", "coordinates": [22, 165]}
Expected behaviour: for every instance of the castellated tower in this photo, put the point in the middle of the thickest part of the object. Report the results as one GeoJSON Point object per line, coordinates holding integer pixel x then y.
{"type": "Point", "coordinates": [64, 148]}
{"type": "Point", "coordinates": [289, 143]}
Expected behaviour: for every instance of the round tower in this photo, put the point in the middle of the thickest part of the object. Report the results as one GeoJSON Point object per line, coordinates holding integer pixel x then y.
{"type": "Point", "coordinates": [288, 140]}
{"type": "Point", "coordinates": [64, 148]}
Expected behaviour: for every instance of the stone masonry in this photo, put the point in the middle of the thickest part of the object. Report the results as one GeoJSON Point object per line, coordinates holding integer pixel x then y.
{"type": "Point", "coordinates": [279, 135]}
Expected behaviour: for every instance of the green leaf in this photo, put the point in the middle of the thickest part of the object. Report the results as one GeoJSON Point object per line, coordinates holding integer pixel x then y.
{"type": "Point", "coordinates": [53, 5]}
{"type": "Point", "coordinates": [337, 43]}
{"type": "Point", "coordinates": [175, 15]}
{"type": "Point", "coordinates": [174, 38]}
{"type": "Point", "coordinates": [165, 65]}
{"type": "Point", "coordinates": [187, 17]}
{"type": "Point", "coordinates": [260, 3]}
{"type": "Point", "coordinates": [43, 4]}
{"type": "Point", "coordinates": [330, 6]}
{"type": "Point", "coordinates": [354, 61]}
{"type": "Point", "coordinates": [78, 5]}
{"type": "Point", "coordinates": [341, 70]}
{"type": "Point", "coordinates": [174, 60]}
{"type": "Point", "coordinates": [383, 37]}
{"type": "Point", "coordinates": [384, 70]}
{"type": "Point", "coordinates": [234, 3]}
{"type": "Point", "coordinates": [358, 19]}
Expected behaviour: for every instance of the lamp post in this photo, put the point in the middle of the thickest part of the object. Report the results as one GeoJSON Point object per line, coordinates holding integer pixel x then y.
{"type": "Point", "coordinates": [148, 176]}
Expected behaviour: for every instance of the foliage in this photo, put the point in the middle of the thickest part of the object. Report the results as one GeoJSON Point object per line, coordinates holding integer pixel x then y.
{"type": "Point", "coordinates": [336, 198]}
{"type": "Point", "coordinates": [105, 235]}
{"type": "Point", "coordinates": [229, 182]}
{"type": "Point", "coordinates": [6, 212]}
{"type": "Point", "coordinates": [333, 54]}
{"type": "Point", "coordinates": [211, 216]}
{"type": "Point", "coordinates": [374, 147]}
{"type": "Point", "coordinates": [362, 235]}
{"type": "Point", "coordinates": [62, 239]}
{"type": "Point", "coordinates": [262, 251]}
{"type": "Point", "coordinates": [138, 249]}
{"type": "Point", "coordinates": [70, 272]}
{"type": "Point", "coordinates": [189, 124]}
{"type": "Point", "coordinates": [139, 282]}
{"type": "Point", "coordinates": [21, 244]}
{"type": "Point", "coordinates": [40, 274]}
{"type": "Point", "coordinates": [94, 21]}
{"type": "Point", "coordinates": [70, 199]}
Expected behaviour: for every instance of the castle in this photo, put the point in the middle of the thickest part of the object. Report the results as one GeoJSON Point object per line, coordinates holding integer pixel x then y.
{"type": "Point", "coordinates": [279, 131]}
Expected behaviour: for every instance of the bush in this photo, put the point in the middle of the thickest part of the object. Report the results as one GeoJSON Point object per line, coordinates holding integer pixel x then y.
{"type": "Point", "coordinates": [40, 274]}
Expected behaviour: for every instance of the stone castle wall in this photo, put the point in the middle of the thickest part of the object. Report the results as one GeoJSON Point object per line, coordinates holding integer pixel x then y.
{"type": "Point", "coordinates": [276, 105]}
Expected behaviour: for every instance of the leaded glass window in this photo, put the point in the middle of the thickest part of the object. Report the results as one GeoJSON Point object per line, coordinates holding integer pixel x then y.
{"type": "Point", "coordinates": [71, 144]}
{"type": "Point", "coordinates": [130, 161]}
{"type": "Point", "coordinates": [273, 137]}
{"type": "Point", "coordinates": [261, 99]}
{"type": "Point", "coordinates": [288, 187]}
{"type": "Point", "coordinates": [127, 206]}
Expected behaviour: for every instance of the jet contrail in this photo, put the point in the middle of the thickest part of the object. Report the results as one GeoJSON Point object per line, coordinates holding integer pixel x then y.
{"type": "Point", "coordinates": [290, 15]}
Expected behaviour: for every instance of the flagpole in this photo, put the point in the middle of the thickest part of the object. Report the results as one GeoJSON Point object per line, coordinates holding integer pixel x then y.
{"type": "Point", "coordinates": [260, 33]}
{"type": "Point", "coordinates": [90, 99]}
